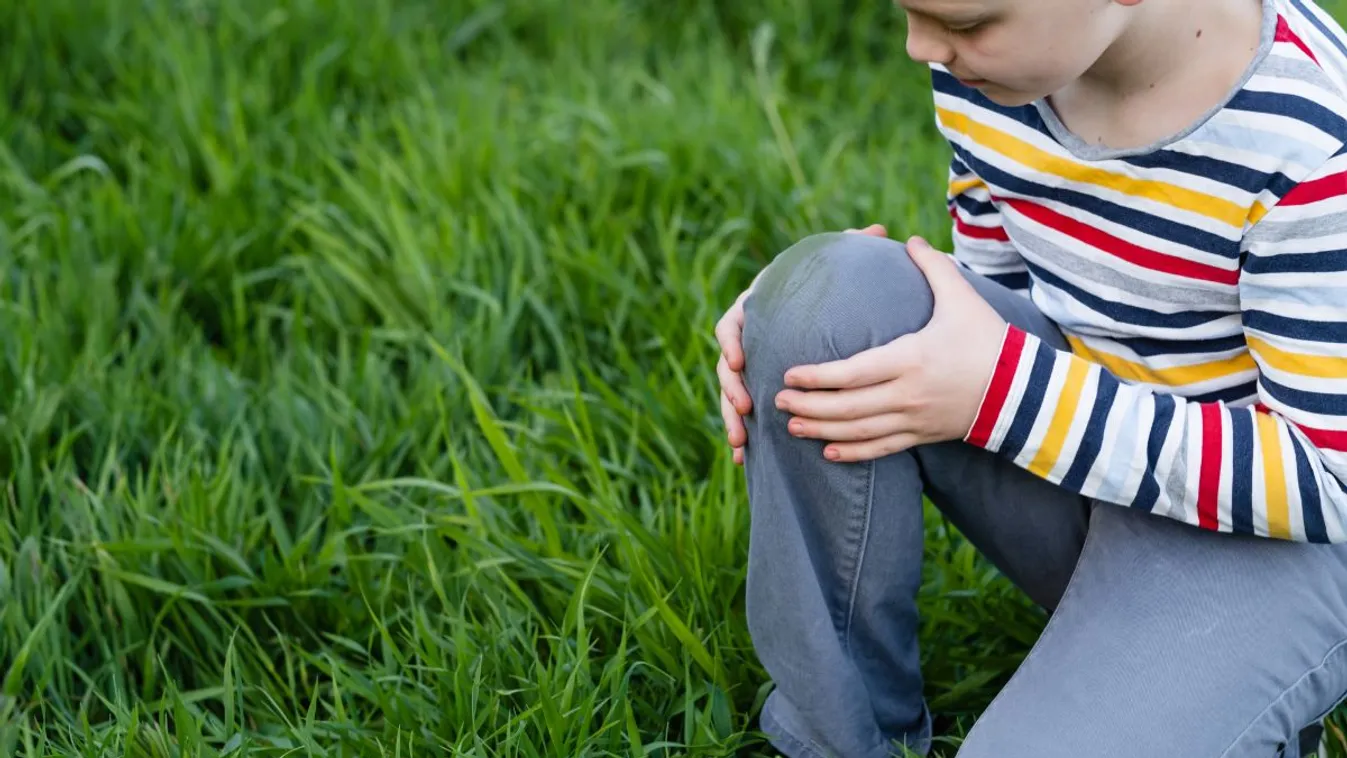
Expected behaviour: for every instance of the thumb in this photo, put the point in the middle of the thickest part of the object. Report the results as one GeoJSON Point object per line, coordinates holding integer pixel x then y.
{"type": "Point", "coordinates": [873, 230]}
{"type": "Point", "coordinates": [941, 273]}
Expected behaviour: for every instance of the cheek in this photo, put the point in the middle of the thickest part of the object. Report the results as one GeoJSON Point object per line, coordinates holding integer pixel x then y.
{"type": "Point", "coordinates": [1019, 60]}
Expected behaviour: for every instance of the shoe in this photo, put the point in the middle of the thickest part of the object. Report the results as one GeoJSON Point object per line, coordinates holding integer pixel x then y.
{"type": "Point", "coordinates": [1312, 741]}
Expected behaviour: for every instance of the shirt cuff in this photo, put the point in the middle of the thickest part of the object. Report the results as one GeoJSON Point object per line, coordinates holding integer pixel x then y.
{"type": "Point", "coordinates": [995, 412]}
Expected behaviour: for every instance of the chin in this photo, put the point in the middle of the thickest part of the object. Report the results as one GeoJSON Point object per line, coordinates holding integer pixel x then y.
{"type": "Point", "coordinates": [1007, 98]}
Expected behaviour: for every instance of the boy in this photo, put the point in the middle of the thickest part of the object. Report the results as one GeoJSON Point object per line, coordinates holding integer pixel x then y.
{"type": "Point", "coordinates": [1130, 392]}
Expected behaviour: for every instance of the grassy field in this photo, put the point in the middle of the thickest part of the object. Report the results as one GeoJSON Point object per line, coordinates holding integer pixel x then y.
{"type": "Point", "coordinates": [357, 394]}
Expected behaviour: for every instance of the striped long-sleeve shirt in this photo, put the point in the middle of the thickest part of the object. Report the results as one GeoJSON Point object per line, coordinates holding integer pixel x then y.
{"type": "Point", "coordinates": [1201, 284]}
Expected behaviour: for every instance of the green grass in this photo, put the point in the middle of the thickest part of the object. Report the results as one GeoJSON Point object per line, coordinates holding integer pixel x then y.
{"type": "Point", "coordinates": [357, 391]}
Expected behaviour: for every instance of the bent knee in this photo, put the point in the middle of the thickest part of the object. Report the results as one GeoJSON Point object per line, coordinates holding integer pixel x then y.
{"type": "Point", "coordinates": [830, 296]}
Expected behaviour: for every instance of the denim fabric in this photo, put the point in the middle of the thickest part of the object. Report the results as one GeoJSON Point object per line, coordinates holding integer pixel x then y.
{"type": "Point", "coordinates": [1164, 640]}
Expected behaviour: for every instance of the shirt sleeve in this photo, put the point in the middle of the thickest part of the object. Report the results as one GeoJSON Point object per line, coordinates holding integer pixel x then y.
{"type": "Point", "coordinates": [1275, 468]}
{"type": "Point", "coordinates": [980, 241]}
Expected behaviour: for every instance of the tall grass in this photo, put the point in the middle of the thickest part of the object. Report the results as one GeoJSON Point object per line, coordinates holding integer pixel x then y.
{"type": "Point", "coordinates": [356, 395]}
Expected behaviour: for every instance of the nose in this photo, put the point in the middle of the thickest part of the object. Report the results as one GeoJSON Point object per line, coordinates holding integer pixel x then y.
{"type": "Point", "coordinates": [927, 43]}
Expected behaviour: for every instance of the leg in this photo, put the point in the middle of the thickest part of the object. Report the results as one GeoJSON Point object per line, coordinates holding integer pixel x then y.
{"type": "Point", "coordinates": [1171, 641]}
{"type": "Point", "coordinates": [835, 549]}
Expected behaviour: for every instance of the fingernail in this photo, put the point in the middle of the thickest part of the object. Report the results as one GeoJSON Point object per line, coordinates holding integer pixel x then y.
{"type": "Point", "coordinates": [796, 427]}
{"type": "Point", "coordinates": [832, 454]}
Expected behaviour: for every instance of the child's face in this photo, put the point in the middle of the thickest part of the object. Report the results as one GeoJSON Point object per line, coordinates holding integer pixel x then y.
{"type": "Point", "coordinates": [1015, 51]}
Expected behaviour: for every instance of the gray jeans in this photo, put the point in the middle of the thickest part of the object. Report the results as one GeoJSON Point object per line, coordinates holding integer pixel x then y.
{"type": "Point", "coordinates": [1164, 640]}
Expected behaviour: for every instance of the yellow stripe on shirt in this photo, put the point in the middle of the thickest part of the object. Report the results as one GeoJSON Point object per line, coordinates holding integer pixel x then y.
{"type": "Point", "coordinates": [960, 186]}
{"type": "Point", "coordinates": [1274, 478]}
{"type": "Point", "coordinates": [1169, 376]}
{"type": "Point", "coordinates": [1067, 400]}
{"type": "Point", "coordinates": [1323, 366]}
{"type": "Point", "coordinates": [1185, 199]}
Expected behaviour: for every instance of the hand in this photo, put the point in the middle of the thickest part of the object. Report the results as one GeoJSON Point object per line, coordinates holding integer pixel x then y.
{"type": "Point", "coordinates": [921, 388]}
{"type": "Point", "coordinates": [734, 399]}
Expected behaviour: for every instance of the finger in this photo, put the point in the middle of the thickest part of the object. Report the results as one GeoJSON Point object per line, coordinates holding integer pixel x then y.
{"type": "Point", "coordinates": [729, 333]}
{"type": "Point", "coordinates": [854, 430]}
{"type": "Point", "coordinates": [854, 452]}
{"type": "Point", "coordinates": [732, 385]}
{"type": "Point", "coordinates": [739, 456]}
{"type": "Point", "coordinates": [873, 230]}
{"type": "Point", "coordinates": [878, 364]}
{"type": "Point", "coordinates": [939, 269]}
{"type": "Point", "coordinates": [735, 433]}
{"type": "Point", "coordinates": [841, 405]}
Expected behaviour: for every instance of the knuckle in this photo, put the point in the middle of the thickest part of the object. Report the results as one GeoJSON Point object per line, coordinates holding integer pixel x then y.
{"type": "Point", "coordinates": [894, 423]}
{"type": "Point", "coordinates": [909, 396]}
{"type": "Point", "coordinates": [920, 398]}
{"type": "Point", "coordinates": [902, 403]}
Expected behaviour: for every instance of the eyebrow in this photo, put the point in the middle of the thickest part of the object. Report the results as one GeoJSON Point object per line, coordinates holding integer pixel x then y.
{"type": "Point", "coordinates": [961, 16]}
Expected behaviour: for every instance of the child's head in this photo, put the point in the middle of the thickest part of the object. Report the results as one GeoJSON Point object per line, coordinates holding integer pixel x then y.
{"type": "Point", "coordinates": [1015, 50]}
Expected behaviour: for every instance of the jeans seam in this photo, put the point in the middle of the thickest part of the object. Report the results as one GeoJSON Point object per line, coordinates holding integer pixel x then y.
{"type": "Point", "coordinates": [858, 559]}
{"type": "Point", "coordinates": [1336, 651]}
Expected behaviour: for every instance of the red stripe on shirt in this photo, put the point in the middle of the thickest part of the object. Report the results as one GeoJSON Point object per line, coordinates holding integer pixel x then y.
{"type": "Point", "coordinates": [1284, 34]}
{"type": "Point", "coordinates": [1123, 249]}
{"type": "Point", "coordinates": [978, 232]}
{"type": "Point", "coordinates": [1325, 439]}
{"type": "Point", "coordinates": [1209, 482]}
{"type": "Point", "coordinates": [1315, 190]}
{"type": "Point", "coordinates": [999, 388]}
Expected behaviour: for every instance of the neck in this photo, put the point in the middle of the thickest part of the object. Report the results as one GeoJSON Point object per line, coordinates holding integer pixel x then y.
{"type": "Point", "coordinates": [1161, 41]}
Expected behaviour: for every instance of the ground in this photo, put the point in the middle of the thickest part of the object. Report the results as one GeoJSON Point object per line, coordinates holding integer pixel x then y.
{"type": "Point", "coordinates": [358, 397]}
